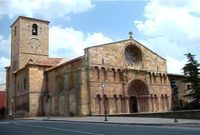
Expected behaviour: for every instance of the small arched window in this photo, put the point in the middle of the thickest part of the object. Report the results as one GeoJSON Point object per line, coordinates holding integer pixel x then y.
{"type": "Point", "coordinates": [34, 29]}
{"type": "Point", "coordinates": [30, 61]}
{"type": "Point", "coordinates": [15, 31]}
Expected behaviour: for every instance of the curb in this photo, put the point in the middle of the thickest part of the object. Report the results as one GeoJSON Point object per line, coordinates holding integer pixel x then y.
{"type": "Point", "coordinates": [117, 123]}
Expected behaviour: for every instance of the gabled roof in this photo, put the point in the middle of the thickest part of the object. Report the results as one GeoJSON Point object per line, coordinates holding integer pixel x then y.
{"type": "Point", "coordinates": [48, 62]}
{"type": "Point", "coordinates": [111, 43]}
{"type": "Point", "coordinates": [61, 64]}
{"type": "Point", "coordinates": [124, 41]}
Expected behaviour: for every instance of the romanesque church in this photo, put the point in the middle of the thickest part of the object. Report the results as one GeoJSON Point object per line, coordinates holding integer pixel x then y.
{"type": "Point", "coordinates": [125, 75]}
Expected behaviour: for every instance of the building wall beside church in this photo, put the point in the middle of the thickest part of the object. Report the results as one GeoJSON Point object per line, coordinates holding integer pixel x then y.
{"type": "Point", "coordinates": [183, 89]}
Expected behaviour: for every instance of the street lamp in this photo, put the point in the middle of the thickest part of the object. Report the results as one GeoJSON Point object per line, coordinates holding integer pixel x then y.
{"type": "Point", "coordinates": [174, 98]}
{"type": "Point", "coordinates": [103, 87]}
{"type": "Point", "coordinates": [48, 108]}
{"type": "Point", "coordinates": [47, 96]}
{"type": "Point", "coordinates": [12, 116]}
{"type": "Point", "coordinates": [175, 103]}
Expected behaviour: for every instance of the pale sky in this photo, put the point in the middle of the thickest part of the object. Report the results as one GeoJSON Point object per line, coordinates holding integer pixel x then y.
{"type": "Point", "coordinates": [170, 28]}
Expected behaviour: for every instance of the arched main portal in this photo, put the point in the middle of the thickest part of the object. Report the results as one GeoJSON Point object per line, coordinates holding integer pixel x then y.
{"type": "Point", "coordinates": [138, 96]}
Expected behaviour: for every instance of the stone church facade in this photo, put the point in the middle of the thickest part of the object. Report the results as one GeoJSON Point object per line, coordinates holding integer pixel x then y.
{"type": "Point", "coordinates": [135, 78]}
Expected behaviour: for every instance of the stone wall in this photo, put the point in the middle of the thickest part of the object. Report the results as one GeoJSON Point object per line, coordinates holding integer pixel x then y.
{"type": "Point", "coordinates": [159, 97]}
{"type": "Point", "coordinates": [110, 65]}
{"type": "Point", "coordinates": [66, 86]}
{"type": "Point", "coordinates": [183, 114]}
{"type": "Point", "coordinates": [25, 45]}
{"type": "Point", "coordinates": [182, 87]}
{"type": "Point", "coordinates": [21, 96]}
{"type": "Point", "coordinates": [36, 89]}
{"type": "Point", "coordinates": [112, 55]}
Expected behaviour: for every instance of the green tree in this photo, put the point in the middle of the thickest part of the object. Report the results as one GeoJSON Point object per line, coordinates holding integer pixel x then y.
{"type": "Point", "coordinates": [191, 69]}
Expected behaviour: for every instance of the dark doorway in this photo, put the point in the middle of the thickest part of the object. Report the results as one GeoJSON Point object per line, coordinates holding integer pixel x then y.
{"type": "Point", "coordinates": [139, 89]}
{"type": "Point", "coordinates": [133, 104]}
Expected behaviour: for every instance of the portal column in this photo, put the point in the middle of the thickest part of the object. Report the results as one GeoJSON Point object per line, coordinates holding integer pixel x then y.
{"type": "Point", "coordinates": [127, 109]}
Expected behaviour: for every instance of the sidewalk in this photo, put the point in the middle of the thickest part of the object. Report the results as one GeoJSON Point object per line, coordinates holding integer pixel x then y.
{"type": "Point", "coordinates": [120, 120]}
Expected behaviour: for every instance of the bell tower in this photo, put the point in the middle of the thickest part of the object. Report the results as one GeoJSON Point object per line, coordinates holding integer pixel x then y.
{"type": "Point", "coordinates": [29, 41]}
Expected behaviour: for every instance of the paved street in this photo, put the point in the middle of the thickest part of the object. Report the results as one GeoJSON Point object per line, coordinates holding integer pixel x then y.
{"type": "Point", "coordinates": [39, 127]}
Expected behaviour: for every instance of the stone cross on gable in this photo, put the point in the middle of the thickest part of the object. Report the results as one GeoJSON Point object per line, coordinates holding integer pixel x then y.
{"type": "Point", "coordinates": [130, 34]}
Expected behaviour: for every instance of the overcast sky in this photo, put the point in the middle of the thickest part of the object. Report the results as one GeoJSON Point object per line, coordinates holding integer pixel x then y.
{"type": "Point", "coordinates": [170, 28]}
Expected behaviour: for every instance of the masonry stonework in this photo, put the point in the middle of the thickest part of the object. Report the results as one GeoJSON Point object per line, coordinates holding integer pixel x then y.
{"type": "Point", "coordinates": [111, 66]}
{"type": "Point", "coordinates": [135, 78]}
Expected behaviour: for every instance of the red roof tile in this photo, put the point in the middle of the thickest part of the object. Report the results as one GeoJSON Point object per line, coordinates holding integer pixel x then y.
{"type": "Point", "coordinates": [64, 62]}
{"type": "Point", "coordinates": [48, 61]}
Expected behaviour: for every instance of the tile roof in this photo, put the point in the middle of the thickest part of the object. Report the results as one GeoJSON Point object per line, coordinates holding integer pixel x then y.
{"type": "Point", "coordinates": [65, 62]}
{"type": "Point", "coordinates": [48, 61]}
